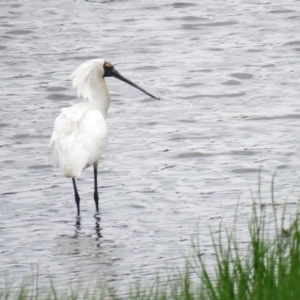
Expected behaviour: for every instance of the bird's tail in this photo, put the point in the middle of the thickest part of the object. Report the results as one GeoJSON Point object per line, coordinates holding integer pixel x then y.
{"type": "Point", "coordinates": [69, 156]}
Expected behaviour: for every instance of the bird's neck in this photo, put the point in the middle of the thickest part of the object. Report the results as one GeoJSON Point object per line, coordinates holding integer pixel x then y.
{"type": "Point", "coordinates": [100, 97]}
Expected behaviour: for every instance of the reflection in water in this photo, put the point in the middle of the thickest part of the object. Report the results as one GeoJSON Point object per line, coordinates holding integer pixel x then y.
{"type": "Point", "coordinates": [77, 226]}
{"type": "Point", "coordinates": [83, 254]}
{"type": "Point", "coordinates": [97, 229]}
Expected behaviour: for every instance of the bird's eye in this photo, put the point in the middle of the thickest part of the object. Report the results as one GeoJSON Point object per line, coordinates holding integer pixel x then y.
{"type": "Point", "coordinates": [107, 65]}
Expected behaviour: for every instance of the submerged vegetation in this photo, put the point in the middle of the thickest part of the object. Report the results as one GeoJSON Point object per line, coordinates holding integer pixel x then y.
{"type": "Point", "coordinates": [268, 266]}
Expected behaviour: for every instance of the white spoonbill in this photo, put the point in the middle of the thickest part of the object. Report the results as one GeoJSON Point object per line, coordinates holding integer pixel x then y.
{"type": "Point", "coordinates": [80, 133]}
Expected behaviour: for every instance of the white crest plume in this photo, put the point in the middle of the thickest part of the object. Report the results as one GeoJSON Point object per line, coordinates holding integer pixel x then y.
{"type": "Point", "coordinates": [86, 78]}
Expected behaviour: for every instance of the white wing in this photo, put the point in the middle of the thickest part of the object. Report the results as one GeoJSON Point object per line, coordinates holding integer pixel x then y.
{"type": "Point", "coordinates": [78, 139]}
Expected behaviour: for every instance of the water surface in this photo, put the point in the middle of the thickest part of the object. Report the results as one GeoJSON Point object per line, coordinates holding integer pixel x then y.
{"type": "Point", "coordinates": [228, 76]}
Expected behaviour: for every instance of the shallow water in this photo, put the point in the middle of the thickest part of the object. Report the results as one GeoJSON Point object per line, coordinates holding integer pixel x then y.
{"type": "Point", "coordinates": [228, 76]}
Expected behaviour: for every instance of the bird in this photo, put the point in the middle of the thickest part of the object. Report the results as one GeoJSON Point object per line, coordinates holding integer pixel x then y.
{"type": "Point", "coordinates": [80, 132]}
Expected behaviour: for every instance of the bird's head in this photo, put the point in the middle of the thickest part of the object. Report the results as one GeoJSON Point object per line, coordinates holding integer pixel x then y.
{"type": "Point", "coordinates": [86, 76]}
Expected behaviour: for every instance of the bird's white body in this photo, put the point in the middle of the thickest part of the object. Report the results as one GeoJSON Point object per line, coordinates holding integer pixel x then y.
{"type": "Point", "coordinates": [80, 133]}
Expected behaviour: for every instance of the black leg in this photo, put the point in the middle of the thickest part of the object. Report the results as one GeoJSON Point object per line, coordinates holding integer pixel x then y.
{"type": "Point", "coordinates": [96, 197]}
{"type": "Point", "coordinates": [77, 199]}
